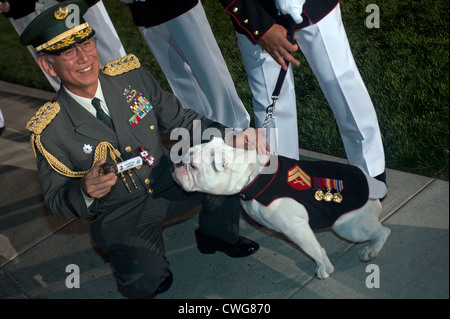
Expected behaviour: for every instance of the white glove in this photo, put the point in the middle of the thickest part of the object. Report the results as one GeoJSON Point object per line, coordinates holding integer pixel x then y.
{"type": "Point", "coordinates": [292, 7]}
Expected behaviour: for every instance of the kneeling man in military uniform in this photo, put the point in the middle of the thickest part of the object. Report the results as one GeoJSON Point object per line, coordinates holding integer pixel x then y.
{"type": "Point", "coordinates": [103, 116]}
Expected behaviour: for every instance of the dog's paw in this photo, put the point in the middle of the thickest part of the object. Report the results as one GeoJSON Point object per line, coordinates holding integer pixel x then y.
{"type": "Point", "coordinates": [324, 271]}
{"type": "Point", "coordinates": [372, 250]}
{"type": "Point", "coordinates": [368, 253]}
{"type": "Point", "coordinates": [324, 266]}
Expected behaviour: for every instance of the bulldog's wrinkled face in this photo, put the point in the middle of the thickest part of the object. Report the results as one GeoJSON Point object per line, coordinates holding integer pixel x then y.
{"type": "Point", "coordinates": [215, 168]}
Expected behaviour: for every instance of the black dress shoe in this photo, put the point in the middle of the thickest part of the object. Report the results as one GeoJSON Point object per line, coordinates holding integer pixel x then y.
{"type": "Point", "coordinates": [165, 285]}
{"type": "Point", "coordinates": [381, 177]}
{"type": "Point", "coordinates": [1, 130]}
{"type": "Point", "coordinates": [210, 244]}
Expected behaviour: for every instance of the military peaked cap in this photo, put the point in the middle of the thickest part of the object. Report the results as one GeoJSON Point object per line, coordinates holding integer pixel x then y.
{"type": "Point", "coordinates": [58, 28]}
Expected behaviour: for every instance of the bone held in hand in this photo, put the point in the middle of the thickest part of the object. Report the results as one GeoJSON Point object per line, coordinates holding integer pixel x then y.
{"type": "Point", "coordinates": [118, 168]}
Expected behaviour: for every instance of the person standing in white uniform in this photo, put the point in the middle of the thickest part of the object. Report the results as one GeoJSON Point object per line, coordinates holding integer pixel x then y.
{"type": "Point", "coordinates": [320, 34]}
{"type": "Point", "coordinates": [180, 37]}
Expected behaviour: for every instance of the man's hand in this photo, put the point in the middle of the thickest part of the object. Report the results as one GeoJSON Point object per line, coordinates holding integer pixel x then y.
{"type": "Point", "coordinates": [250, 139]}
{"type": "Point", "coordinates": [95, 186]}
{"type": "Point", "coordinates": [277, 45]}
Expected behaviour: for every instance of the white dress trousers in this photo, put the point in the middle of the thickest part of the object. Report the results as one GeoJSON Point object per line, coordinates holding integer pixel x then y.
{"type": "Point", "coordinates": [192, 62]}
{"type": "Point", "coordinates": [109, 46]}
{"type": "Point", "coordinates": [326, 48]}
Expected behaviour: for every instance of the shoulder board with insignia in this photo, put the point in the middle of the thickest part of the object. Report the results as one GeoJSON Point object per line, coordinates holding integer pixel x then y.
{"type": "Point", "coordinates": [121, 65]}
{"type": "Point", "coordinates": [43, 117]}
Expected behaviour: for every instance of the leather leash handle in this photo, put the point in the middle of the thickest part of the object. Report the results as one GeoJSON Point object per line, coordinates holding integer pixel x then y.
{"type": "Point", "coordinates": [276, 92]}
{"type": "Point", "coordinates": [282, 74]}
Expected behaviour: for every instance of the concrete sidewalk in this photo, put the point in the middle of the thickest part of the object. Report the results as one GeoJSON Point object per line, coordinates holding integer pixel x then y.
{"type": "Point", "coordinates": [35, 248]}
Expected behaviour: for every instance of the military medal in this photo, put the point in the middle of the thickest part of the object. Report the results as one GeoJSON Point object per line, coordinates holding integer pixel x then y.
{"type": "Point", "coordinates": [129, 93]}
{"type": "Point", "coordinates": [327, 184]}
{"type": "Point", "coordinates": [87, 149]}
{"type": "Point", "coordinates": [140, 107]}
{"type": "Point", "coordinates": [318, 195]}
{"type": "Point", "coordinates": [338, 186]}
{"type": "Point", "coordinates": [337, 198]}
{"type": "Point", "coordinates": [145, 155]}
{"type": "Point", "coordinates": [328, 197]}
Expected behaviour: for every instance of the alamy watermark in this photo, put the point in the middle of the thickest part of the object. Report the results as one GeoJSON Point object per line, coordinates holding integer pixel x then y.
{"type": "Point", "coordinates": [180, 152]}
{"type": "Point", "coordinates": [373, 19]}
{"type": "Point", "coordinates": [73, 279]}
{"type": "Point", "coordinates": [373, 279]}
{"type": "Point", "coordinates": [73, 16]}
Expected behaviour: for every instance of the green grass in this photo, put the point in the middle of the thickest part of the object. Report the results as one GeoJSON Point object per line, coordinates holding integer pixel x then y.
{"type": "Point", "coordinates": [404, 64]}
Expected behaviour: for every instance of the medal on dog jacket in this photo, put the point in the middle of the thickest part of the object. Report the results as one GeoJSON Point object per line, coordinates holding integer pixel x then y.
{"type": "Point", "coordinates": [306, 182]}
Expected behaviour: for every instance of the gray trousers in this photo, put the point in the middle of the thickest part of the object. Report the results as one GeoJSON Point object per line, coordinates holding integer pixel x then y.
{"type": "Point", "coordinates": [133, 236]}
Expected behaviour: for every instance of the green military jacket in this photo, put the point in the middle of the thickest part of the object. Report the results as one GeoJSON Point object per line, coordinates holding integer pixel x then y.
{"type": "Point", "coordinates": [69, 139]}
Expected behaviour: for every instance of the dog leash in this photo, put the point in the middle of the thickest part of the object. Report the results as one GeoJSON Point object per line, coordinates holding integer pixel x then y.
{"type": "Point", "coordinates": [276, 92]}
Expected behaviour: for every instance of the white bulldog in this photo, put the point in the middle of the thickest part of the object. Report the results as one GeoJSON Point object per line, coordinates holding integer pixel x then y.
{"type": "Point", "coordinates": [217, 168]}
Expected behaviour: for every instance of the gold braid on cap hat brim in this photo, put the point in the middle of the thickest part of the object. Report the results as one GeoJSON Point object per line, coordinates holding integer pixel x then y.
{"type": "Point", "coordinates": [66, 39]}
{"type": "Point", "coordinates": [39, 122]}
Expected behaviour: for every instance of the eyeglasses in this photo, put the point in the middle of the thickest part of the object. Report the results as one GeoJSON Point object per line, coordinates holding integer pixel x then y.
{"type": "Point", "coordinates": [71, 53]}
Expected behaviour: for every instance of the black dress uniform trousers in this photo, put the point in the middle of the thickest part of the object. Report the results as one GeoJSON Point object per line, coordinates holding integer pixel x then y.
{"type": "Point", "coordinates": [137, 249]}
